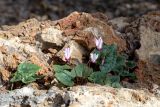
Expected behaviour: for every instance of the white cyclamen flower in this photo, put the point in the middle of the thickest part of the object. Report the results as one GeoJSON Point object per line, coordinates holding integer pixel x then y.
{"type": "Point", "coordinates": [93, 57]}
{"type": "Point", "coordinates": [99, 43]}
{"type": "Point", "coordinates": [67, 54]}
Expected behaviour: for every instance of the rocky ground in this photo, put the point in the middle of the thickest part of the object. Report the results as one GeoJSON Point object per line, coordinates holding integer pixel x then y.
{"type": "Point", "coordinates": [42, 42]}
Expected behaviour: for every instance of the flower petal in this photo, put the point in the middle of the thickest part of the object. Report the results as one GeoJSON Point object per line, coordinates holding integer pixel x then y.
{"type": "Point", "coordinates": [67, 53]}
{"type": "Point", "coordinates": [93, 57]}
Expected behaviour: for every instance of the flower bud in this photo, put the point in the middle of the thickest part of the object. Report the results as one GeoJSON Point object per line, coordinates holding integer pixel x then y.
{"type": "Point", "coordinates": [99, 43]}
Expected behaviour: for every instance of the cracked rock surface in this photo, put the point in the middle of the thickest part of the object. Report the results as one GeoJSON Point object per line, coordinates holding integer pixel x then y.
{"type": "Point", "coordinates": [79, 96]}
{"type": "Point", "coordinates": [43, 43]}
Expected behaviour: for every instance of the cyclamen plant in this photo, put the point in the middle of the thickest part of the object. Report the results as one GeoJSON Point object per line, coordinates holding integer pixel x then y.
{"type": "Point", "coordinates": [113, 67]}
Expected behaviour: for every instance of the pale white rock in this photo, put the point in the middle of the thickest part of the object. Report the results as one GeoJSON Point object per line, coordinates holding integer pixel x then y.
{"type": "Point", "coordinates": [1, 59]}
{"type": "Point", "coordinates": [52, 35]}
{"type": "Point", "coordinates": [81, 96]}
{"type": "Point", "coordinates": [24, 50]}
{"type": "Point", "coordinates": [15, 45]}
{"type": "Point", "coordinates": [28, 96]}
{"type": "Point", "coordinates": [102, 96]}
{"type": "Point", "coordinates": [77, 52]}
{"type": "Point", "coordinates": [150, 45]}
{"type": "Point", "coordinates": [25, 91]}
{"type": "Point", "coordinates": [97, 32]}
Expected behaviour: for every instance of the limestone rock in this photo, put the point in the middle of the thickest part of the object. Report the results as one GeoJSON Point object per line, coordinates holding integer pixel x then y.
{"type": "Point", "coordinates": [77, 52]}
{"type": "Point", "coordinates": [27, 96]}
{"type": "Point", "coordinates": [80, 96]}
{"type": "Point", "coordinates": [100, 96]}
{"type": "Point", "coordinates": [150, 45]}
{"type": "Point", "coordinates": [15, 52]}
{"type": "Point", "coordinates": [150, 38]}
{"type": "Point", "coordinates": [52, 35]}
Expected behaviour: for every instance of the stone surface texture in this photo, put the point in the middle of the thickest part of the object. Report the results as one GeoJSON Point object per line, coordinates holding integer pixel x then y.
{"type": "Point", "coordinates": [43, 43]}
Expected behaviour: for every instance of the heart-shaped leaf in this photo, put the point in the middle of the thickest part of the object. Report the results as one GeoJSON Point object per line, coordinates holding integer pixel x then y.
{"type": "Point", "coordinates": [26, 73]}
{"type": "Point", "coordinates": [97, 77]}
{"type": "Point", "coordinates": [64, 78]}
{"type": "Point", "coordinates": [60, 68]}
{"type": "Point", "coordinates": [81, 70]}
{"type": "Point", "coordinates": [113, 81]}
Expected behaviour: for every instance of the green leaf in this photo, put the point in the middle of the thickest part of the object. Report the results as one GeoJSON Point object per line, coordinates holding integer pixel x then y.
{"type": "Point", "coordinates": [104, 51]}
{"type": "Point", "coordinates": [63, 75]}
{"type": "Point", "coordinates": [17, 77]}
{"type": "Point", "coordinates": [87, 71]}
{"type": "Point", "coordinates": [130, 64]}
{"type": "Point", "coordinates": [105, 68]}
{"type": "Point", "coordinates": [60, 68]}
{"type": "Point", "coordinates": [120, 61]}
{"type": "Point", "coordinates": [73, 73]}
{"type": "Point", "coordinates": [112, 48]}
{"type": "Point", "coordinates": [110, 59]}
{"type": "Point", "coordinates": [113, 81]}
{"type": "Point", "coordinates": [28, 68]}
{"type": "Point", "coordinates": [64, 78]}
{"type": "Point", "coordinates": [28, 79]}
{"type": "Point", "coordinates": [97, 77]}
{"type": "Point", "coordinates": [69, 73]}
{"type": "Point", "coordinates": [67, 67]}
{"type": "Point", "coordinates": [116, 85]}
{"type": "Point", "coordinates": [82, 70]}
{"type": "Point", "coordinates": [109, 64]}
{"type": "Point", "coordinates": [118, 69]}
{"type": "Point", "coordinates": [79, 69]}
{"type": "Point", "coordinates": [26, 73]}
{"type": "Point", "coordinates": [128, 74]}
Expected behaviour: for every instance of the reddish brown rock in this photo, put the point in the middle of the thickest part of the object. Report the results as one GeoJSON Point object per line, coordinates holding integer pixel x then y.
{"type": "Point", "coordinates": [35, 41]}
{"type": "Point", "coordinates": [77, 23]}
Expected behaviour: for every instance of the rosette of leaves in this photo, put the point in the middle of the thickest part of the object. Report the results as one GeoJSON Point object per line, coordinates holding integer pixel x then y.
{"type": "Point", "coordinates": [66, 75]}
{"type": "Point", "coordinates": [26, 72]}
{"type": "Point", "coordinates": [114, 67]}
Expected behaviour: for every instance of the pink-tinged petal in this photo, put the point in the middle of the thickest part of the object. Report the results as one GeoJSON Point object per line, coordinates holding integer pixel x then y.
{"type": "Point", "coordinates": [93, 57]}
{"type": "Point", "coordinates": [96, 41]}
{"type": "Point", "coordinates": [67, 54]}
{"type": "Point", "coordinates": [99, 43]}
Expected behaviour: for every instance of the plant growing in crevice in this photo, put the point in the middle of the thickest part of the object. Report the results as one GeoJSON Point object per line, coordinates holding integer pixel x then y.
{"type": "Point", "coordinates": [112, 67]}
{"type": "Point", "coordinates": [26, 73]}
{"type": "Point", "coordinates": [68, 76]}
